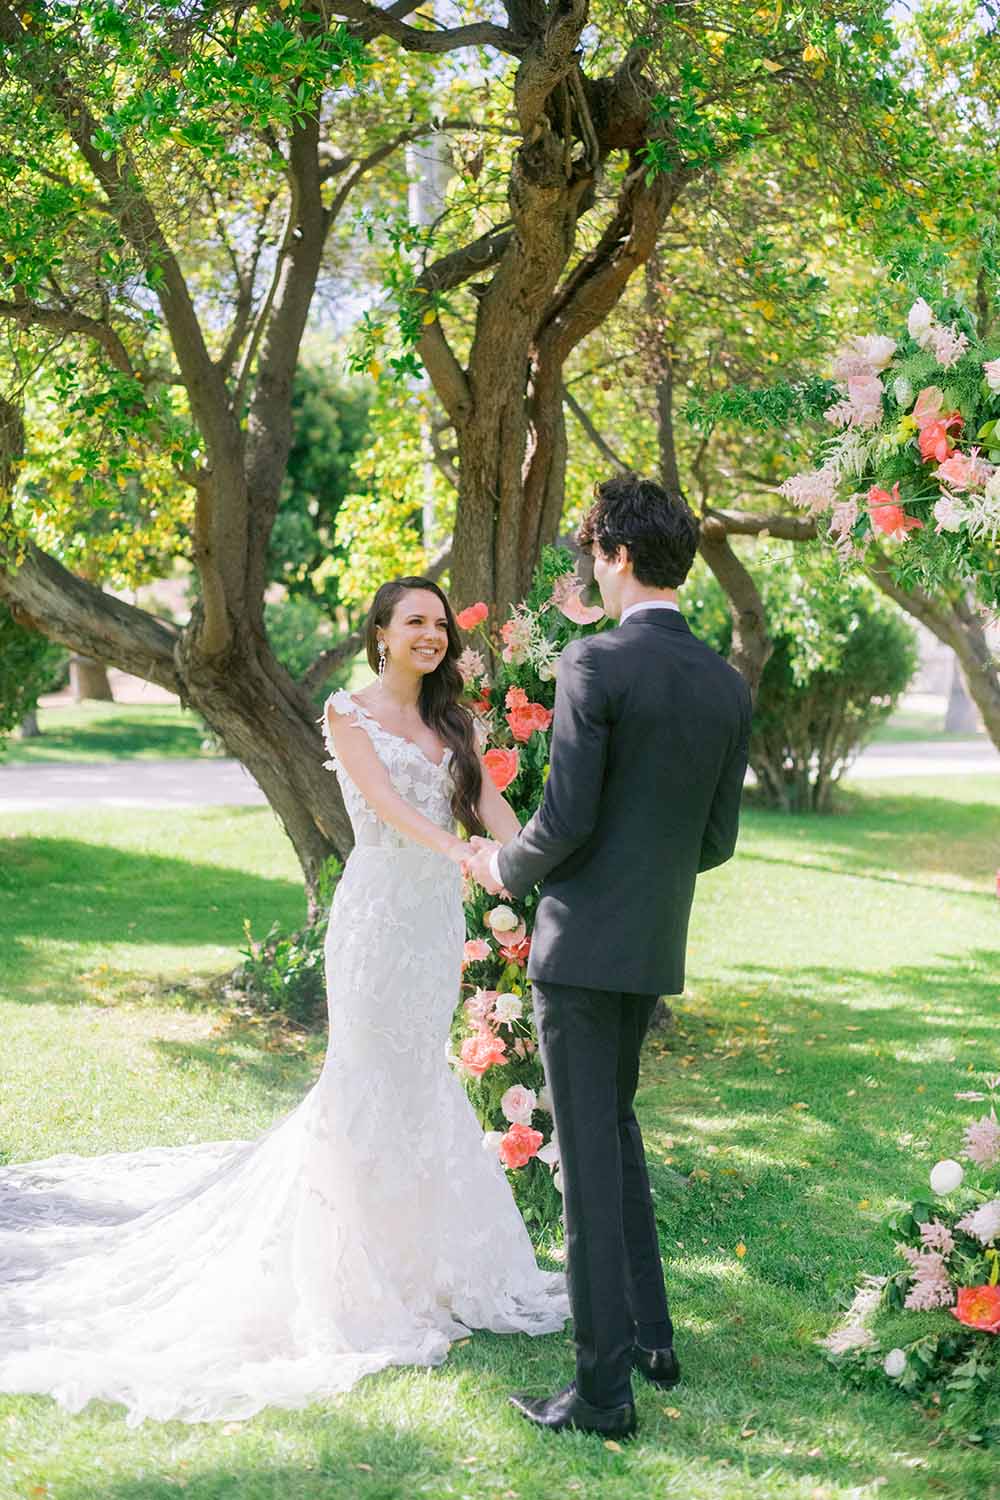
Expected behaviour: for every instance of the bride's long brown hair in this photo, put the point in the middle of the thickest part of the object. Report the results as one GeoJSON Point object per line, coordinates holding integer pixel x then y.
{"type": "Point", "coordinates": [440, 692]}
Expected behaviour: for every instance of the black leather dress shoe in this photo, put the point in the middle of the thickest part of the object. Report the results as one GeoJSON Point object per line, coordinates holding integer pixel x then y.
{"type": "Point", "coordinates": [567, 1409]}
{"type": "Point", "coordinates": [659, 1366]}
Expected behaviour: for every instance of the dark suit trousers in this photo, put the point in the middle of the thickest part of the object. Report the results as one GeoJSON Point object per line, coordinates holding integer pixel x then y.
{"type": "Point", "coordinates": [590, 1042]}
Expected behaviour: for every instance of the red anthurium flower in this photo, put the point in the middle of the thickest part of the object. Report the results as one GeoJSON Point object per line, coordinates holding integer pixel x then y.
{"type": "Point", "coordinates": [887, 514]}
{"type": "Point", "coordinates": [934, 440]}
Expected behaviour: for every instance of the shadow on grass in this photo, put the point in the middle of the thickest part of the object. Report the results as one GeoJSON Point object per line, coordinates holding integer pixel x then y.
{"type": "Point", "coordinates": [77, 892]}
{"type": "Point", "coordinates": [236, 1053]}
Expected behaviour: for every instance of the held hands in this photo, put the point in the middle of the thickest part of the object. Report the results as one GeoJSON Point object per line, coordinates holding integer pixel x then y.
{"type": "Point", "coordinates": [477, 865]}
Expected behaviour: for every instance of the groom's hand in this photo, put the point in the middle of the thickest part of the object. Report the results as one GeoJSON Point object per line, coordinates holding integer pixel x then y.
{"type": "Point", "coordinates": [479, 864]}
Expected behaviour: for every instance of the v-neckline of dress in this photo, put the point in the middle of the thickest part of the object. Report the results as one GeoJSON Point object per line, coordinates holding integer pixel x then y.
{"type": "Point", "coordinates": [404, 739]}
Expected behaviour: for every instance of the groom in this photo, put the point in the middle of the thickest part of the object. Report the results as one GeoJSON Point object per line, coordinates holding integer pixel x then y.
{"type": "Point", "coordinates": [648, 755]}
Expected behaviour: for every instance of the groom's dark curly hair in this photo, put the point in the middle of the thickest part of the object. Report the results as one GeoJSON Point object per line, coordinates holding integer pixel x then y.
{"type": "Point", "coordinates": [656, 526]}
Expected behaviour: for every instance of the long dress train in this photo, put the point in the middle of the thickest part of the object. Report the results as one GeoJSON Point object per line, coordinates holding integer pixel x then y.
{"type": "Point", "coordinates": [368, 1228]}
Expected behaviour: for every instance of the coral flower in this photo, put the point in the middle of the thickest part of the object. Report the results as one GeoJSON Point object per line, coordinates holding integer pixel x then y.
{"type": "Point", "coordinates": [482, 1052]}
{"type": "Point", "coordinates": [517, 952]}
{"type": "Point", "coordinates": [524, 719]}
{"type": "Point", "coordinates": [503, 766]}
{"type": "Point", "coordinates": [474, 615]}
{"type": "Point", "coordinates": [979, 1307]}
{"type": "Point", "coordinates": [934, 440]}
{"type": "Point", "coordinates": [476, 949]}
{"type": "Point", "coordinates": [887, 514]}
{"type": "Point", "coordinates": [519, 1145]}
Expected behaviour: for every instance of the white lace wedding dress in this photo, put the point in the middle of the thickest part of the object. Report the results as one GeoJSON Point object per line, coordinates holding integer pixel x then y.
{"type": "Point", "coordinates": [366, 1229]}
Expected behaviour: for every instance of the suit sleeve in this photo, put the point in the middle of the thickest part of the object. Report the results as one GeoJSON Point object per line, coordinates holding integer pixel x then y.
{"type": "Point", "coordinates": [719, 839]}
{"type": "Point", "coordinates": [568, 811]}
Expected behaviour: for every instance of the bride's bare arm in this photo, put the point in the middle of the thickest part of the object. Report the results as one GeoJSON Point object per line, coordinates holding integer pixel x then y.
{"type": "Point", "coordinates": [356, 753]}
{"type": "Point", "coordinates": [496, 813]}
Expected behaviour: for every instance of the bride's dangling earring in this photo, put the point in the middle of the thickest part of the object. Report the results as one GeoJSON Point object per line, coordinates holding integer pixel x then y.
{"type": "Point", "coordinates": [382, 657]}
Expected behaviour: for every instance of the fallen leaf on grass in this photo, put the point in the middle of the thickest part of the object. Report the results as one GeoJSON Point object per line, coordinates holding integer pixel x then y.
{"type": "Point", "coordinates": [366, 1467]}
{"type": "Point", "coordinates": [741, 1249]}
{"type": "Point", "coordinates": [671, 1412]}
{"type": "Point", "coordinates": [748, 1432]}
{"type": "Point", "coordinates": [612, 1446]}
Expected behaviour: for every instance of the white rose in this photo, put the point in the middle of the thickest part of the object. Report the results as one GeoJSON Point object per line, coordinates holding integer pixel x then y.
{"type": "Point", "coordinates": [557, 1180]}
{"type": "Point", "coordinates": [501, 919]}
{"type": "Point", "coordinates": [946, 1176]}
{"type": "Point", "coordinates": [920, 322]}
{"type": "Point", "coordinates": [491, 1141]}
{"type": "Point", "coordinates": [545, 1099]}
{"type": "Point", "coordinates": [508, 1008]}
{"type": "Point", "coordinates": [894, 1363]}
{"type": "Point", "coordinates": [991, 370]}
{"type": "Point", "coordinates": [518, 1104]}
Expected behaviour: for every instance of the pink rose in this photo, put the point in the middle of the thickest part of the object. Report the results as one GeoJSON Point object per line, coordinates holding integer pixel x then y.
{"type": "Point", "coordinates": [476, 949]}
{"type": "Point", "coordinates": [482, 1052]}
{"type": "Point", "coordinates": [964, 471]}
{"type": "Point", "coordinates": [991, 373]}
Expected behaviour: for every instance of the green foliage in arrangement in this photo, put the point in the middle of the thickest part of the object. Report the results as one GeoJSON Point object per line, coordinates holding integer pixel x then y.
{"type": "Point", "coordinates": [842, 657]}
{"type": "Point", "coordinates": [932, 1328]}
{"type": "Point", "coordinates": [511, 688]}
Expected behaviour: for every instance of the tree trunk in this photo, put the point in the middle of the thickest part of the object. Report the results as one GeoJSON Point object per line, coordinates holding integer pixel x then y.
{"type": "Point", "coordinates": [962, 716]}
{"type": "Point", "coordinates": [960, 625]}
{"type": "Point", "coordinates": [752, 646]}
{"type": "Point", "coordinates": [261, 714]}
{"type": "Point", "coordinates": [88, 678]}
{"type": "Point", "coordinates": [269, 724]}
{"type": "Point", "coordinates": [29, 729]}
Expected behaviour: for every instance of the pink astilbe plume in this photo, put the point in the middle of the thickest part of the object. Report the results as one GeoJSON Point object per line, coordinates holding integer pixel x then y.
{"type": "Point", "coordinates": [937, 1236]}
{"type": "Point", "coordinates": [982, 1141]}
{"type": "Point", "coordinates": [930, 1286]}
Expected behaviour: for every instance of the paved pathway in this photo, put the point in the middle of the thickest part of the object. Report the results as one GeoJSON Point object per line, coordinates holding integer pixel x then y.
{"type": "Point", "coordinates": [200, 783]}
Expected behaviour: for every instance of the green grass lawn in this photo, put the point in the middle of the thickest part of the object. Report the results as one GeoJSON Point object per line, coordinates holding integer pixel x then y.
{"type": "Point", "coordinates": [842, 987]}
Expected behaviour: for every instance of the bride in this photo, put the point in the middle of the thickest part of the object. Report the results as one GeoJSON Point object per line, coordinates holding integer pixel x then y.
{"type": "Point", "coordinates": [366, 1229]}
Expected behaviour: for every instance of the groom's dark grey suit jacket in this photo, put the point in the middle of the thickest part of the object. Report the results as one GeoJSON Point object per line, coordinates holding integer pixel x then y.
{"type": "Point", "coordinates": [649, 751]}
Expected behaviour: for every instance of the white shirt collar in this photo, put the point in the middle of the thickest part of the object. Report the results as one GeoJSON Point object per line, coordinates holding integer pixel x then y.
{"type": "Point", "coordinates": [647, 604]}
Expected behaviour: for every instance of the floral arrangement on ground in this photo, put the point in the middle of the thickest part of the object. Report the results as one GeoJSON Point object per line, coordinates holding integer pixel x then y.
{"type": "Point", "coordinates": [510, 688]}
{"type": "Point", "coordinates": [915, 459]}
{"type": "Point", "coordinates": [932, 1327]}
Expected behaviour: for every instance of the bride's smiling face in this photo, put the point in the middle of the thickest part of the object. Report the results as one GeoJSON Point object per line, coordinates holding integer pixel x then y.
{"type": "Point", "coordinates": [417, 634]}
